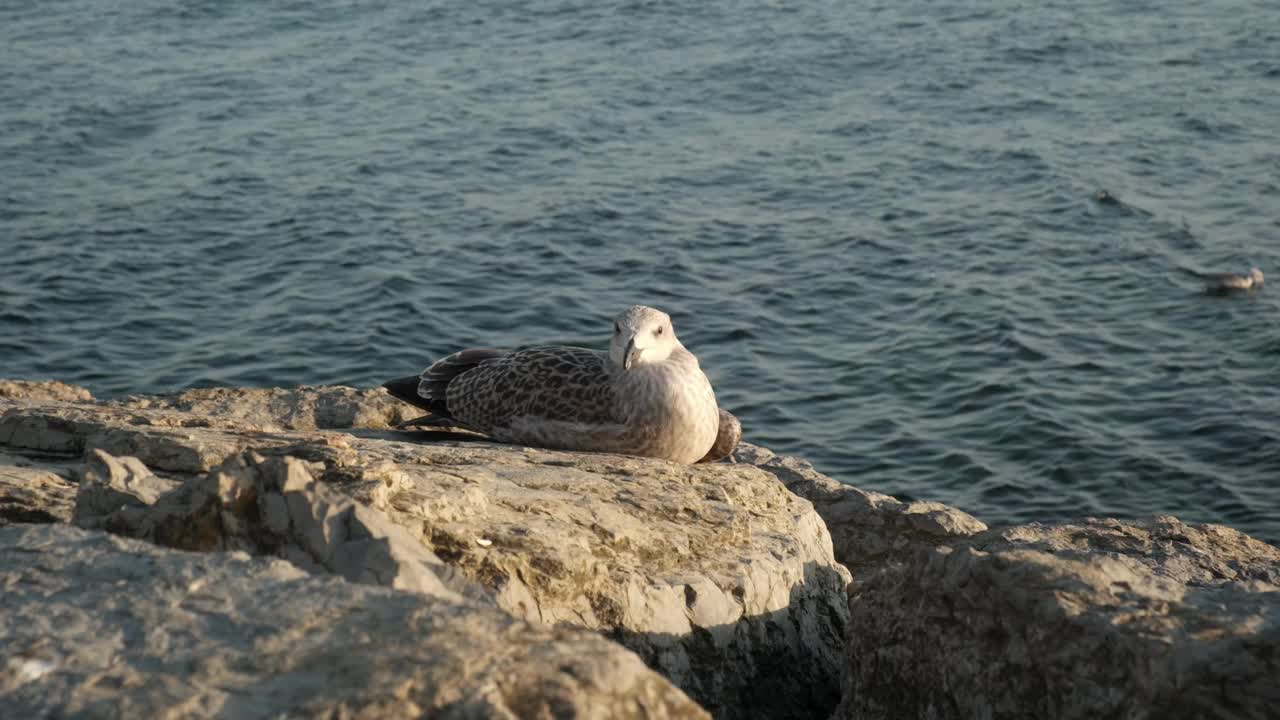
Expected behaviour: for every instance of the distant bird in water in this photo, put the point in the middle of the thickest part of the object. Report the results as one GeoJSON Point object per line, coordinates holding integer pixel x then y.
{"type": "Point", "coordinates": [646, 395]}
{"type": "Point", "coordinates": [1223, 283]}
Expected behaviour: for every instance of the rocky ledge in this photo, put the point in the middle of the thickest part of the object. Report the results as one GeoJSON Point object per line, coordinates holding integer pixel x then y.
{"type": "Point", "coordinates": [289, 553]}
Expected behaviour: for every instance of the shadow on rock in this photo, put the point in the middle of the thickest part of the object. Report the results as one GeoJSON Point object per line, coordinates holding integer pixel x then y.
{"type": "Point", "coordinates": [804, 639]}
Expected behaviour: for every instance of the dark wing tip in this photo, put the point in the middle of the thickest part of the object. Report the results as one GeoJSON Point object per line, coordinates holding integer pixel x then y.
{"type": "Point", "coordinates": [406, 389]}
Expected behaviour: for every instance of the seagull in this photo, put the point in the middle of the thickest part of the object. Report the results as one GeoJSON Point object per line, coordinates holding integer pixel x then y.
{"type": "Point", "coordinates": [646, 395]}
{"type": "Point", "coordinates": [1221, 283]}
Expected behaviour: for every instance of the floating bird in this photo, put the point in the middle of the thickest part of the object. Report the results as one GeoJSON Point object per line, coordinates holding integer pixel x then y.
{"type": "Point", "coordinates": [1221, 283]}
{"type": "Point", "coordinates": [645, 396]}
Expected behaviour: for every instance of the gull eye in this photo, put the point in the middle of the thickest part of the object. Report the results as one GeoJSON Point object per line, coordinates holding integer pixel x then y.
{"type": "Point", "coordinates": [617, 328]}
{"type": "Point", "coordinates": [658, 331]}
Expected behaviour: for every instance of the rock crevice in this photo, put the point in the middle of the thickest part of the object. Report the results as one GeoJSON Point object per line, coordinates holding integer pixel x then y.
{"type": "Point", "coordinates": [721, 578]}
{"type": "Point", "coordinates": [716, 575]}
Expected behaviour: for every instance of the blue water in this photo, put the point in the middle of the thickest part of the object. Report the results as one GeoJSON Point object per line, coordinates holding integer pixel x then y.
{"type": "Point", "coordinates": [874, 222]}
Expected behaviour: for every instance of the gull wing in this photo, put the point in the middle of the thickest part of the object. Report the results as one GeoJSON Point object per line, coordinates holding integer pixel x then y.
{"type": "Point", "coordinates": [556, 384]}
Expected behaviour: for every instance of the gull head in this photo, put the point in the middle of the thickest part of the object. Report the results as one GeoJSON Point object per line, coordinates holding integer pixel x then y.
{"type": "Point", "coordinates": [1256, 275]}
{"type": "Point", "coordinates": [641, 336]}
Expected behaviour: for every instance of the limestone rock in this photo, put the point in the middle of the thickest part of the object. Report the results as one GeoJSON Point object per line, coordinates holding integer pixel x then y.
{"type": "Point", "coordinates": [168, 441]}
{"type": "Point", "coordinates": [867, 528]}
{"type": "Point", "coordinates": [1100, 618]}
{"type": "Point", "coordinates": [113, 485]}
{"type": "Point", "coordinates": [264, 506]}
{"type": "Point", "coordinates": [300, 408]}
{"type": "Point", "coordinates": [1168, 547]}
{"type": "Point", "coordinates": [42, 390]}
{"type": "Point", "coordinates": [34, 492]}
{"type": "Point", "coordinates": [715, 574]}
{"type": "Point", "coordinates": [97, 626]}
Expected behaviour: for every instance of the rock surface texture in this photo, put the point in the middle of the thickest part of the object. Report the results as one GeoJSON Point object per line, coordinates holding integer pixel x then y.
{"type": "Point", "coordinates": [32, 491]}
{"type": "Point", "coordinates": [1101, 618]}
{"type": "Point", "coordinates": [868, 529]}
{"type": "Point", "coordinates": [716, 575]}
{"type": "Point", "coordinates": [302, 408]}
{"type": "Point", "coordinates": [93, 625]}
{"type": "Point", "coordinates": [265, 506]}
{"type": "Point", "coordinates": [722, 578]}
{"type": "Point", "coordinates": [37, 390]}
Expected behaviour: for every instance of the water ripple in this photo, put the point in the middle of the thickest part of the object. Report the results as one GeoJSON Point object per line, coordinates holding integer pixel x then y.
{"type": "Point", "coordinates": [877, 225]}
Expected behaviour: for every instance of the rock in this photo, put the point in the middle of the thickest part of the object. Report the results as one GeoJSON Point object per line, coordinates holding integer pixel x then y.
{"type": "Point", "coordinates": [167, 441]}
{"type": "Point", "coordinates": [715, 574]}
{"type": "Point", "coordinates": [99, 626]}
{"type": "Point", "coordinates": [263, 506]}
{"type": "Point", "coordinates": [42, 390]}
{"type": "Point", "coordinates": [33, 492]}
{"type": "Point", "coordinates": [1100, 618]}
{"type": "Point", "coordinates": [301, 408]}
{"type": "Point", "coordinates": [112, 485]}
{"type": "Point", "coordinates": [1187, 554]}
{"type": "Point", "coordinates": [867, 529]}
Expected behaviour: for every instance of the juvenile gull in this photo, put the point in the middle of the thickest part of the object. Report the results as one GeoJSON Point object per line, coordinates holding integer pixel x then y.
{"type": "Point", "coordinates": [1226, 282]}
{"type": "Point", "coordinates": [646, 396]}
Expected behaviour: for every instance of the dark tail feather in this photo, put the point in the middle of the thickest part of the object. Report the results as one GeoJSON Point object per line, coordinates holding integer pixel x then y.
{"type": "Point", "coordinates": [430, 390]}
{"type": "Point", "coordinates": [406, 389]}
{"type": "Point", "coordinates": [431, 420]}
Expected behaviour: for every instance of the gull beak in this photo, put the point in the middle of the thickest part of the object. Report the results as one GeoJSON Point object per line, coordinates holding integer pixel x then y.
{"type": "Point", "coordinates": [631, 355]}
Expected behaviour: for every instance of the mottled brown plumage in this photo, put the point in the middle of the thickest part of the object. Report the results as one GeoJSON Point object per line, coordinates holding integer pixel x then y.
{"type": "Point", "coordinates": [646, 396]}
{"type": "Point", "coordinates": [564, 384]}
{"type": "Point", "coordinates": [728, 436]}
